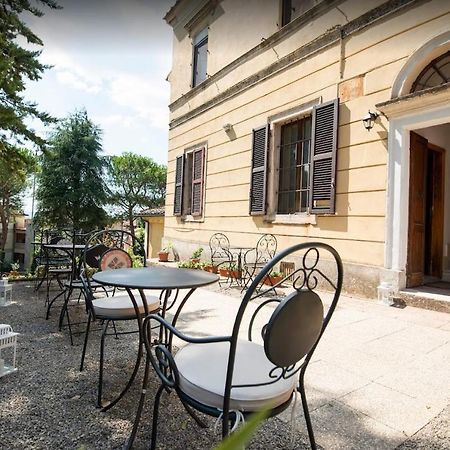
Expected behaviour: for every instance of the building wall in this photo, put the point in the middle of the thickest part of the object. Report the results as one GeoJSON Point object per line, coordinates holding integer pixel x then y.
{"type": "Point", "coordinates": [360, 69]}
{"type": "Point", "coordinates": [155, 232]}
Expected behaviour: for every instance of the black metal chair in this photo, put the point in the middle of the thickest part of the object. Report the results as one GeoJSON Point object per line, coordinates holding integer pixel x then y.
{"type": "Point", "coordinates": [109, 250]}
{"type": "Point", "coordinates": [229, 377]}
{"type": "Point", "coordinates": [58, 264]}
{"type": "Point", "coordinates": [255, 259]}
{"type": "Point", "coordinates": [221, 256]}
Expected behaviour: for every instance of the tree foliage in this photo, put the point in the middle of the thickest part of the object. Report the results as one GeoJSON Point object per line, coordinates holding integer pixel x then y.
{"type": "Point", "coordinates": [17, 65]}
{"type": "Point", "coordinates": [70, 191]}
{"type": "Point", "coordinates": [136, 182]}
{"type": "Point", "coordinates": [14, 176]}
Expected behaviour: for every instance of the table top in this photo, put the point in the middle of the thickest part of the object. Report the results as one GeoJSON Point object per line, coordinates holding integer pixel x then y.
{"type": "Point", "coordinates": [155, 278]}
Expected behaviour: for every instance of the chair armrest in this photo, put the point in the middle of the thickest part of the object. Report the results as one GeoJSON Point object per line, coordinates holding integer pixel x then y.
{"type": "Point", "coordinates": [194, 340]}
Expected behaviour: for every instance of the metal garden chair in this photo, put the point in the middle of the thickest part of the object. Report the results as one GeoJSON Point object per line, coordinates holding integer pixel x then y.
{"type": "Point", "coordinates": [255, 259]}
{"type": "Point", "coordinates": [229, 377]}
{"type": "Point", "coordinates": [221, 256]}
{"type": "Point", "coordinates": [109, 250]}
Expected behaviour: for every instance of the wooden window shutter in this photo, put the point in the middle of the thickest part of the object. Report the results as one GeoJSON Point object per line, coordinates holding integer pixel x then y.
{"type": "Point", "coordinates": [198, 159]}
{"type": "Point", "coordinates": [179, 177]}
{"type": "Point", "coordinates": [258, 180]}
{"type": "Point", "coordinates": [323, 158]}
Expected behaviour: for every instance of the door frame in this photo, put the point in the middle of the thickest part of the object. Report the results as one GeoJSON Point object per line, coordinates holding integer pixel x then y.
{"type": "Point", "coordinates": [402, 120]}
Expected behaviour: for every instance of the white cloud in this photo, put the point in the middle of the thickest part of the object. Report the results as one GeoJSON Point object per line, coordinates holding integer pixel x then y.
{"type": "Point", "coordinates": [73, 80]}
{"type": "Point", "coordinates": [142, 95]}
{"type": "Point", "coordinates": [110, 120]}
{"type": "Point", "coordinates": [69, 73]}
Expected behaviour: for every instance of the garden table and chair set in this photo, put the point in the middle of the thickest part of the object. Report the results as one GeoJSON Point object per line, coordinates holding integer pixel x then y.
{"type": "Point", "coordinates": [226, 377]}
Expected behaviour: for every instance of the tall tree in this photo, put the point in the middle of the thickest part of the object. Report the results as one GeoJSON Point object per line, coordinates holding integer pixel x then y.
{"type": "Point", "coordinates": [14, 176]}
{"type": "Point", "coordinates": [136, 182]}
{"type": "Point", "coordinates": [70, 190]}
{"type": "Point", "coordinates": [17, 65]}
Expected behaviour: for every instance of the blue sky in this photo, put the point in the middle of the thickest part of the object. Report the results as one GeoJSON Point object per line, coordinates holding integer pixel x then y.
{"type": "Point", "coordinates": [111, 57]}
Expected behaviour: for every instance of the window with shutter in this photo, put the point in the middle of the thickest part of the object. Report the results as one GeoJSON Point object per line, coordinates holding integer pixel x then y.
{"type": "Point", "coordinates": [323, 158]}
{"type": "Point", "coordinates": [189, 183]}
{"type": "Point", "coordinates": [197, 181]}
{"type": "Point", "coordinates": [293, 178]}
{"type": "Point", "coordinates": [259, 171]}
{"type": "Point", "coordinates": [179, 178]}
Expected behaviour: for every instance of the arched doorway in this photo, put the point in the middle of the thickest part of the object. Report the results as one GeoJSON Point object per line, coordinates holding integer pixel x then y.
{"type": "Point", "coordinates": [418, 224]}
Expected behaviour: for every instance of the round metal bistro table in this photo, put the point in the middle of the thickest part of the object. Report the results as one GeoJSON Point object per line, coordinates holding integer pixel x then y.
{"type": "Point", "coordinates": [158, 278]}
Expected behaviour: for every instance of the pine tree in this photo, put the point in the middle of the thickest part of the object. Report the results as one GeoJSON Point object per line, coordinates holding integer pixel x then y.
{"type": "Point", "coordinates": [17, 65]}
{"type": "Point", "coordinates": [71, 191]}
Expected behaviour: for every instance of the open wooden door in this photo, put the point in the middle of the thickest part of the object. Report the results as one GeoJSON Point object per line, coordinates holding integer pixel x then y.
{"type": "Point", "coordinates": [417, 211]}
{"type": "Point", "coordinates": [434, 228]}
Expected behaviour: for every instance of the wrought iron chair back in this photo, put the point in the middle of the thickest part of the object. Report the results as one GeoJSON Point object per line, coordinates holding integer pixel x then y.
{"type": "Point", "coordinates": [255, 259]}
{"type": "Point", "coordinates": [290, 333]}
{"type": "Point", "coordinates": [220, 250]}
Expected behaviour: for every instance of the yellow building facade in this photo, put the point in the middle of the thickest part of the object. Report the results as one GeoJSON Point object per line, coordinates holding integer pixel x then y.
{"type": "Point", "coordinates": [266, 131]}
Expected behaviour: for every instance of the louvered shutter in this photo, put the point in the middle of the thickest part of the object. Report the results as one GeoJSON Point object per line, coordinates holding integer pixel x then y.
{"type": "Point", "coordinates": [323, 158]}
{"type": "Point", "coordinates": [258, 180]}
{"type": "Point", "coordinates": [197, 181]}
{"type": "Point", "coordinates": [178, 198]}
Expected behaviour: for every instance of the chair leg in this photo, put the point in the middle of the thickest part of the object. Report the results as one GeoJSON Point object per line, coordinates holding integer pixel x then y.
{"type": "Point", "coordinates": [155, 416]}
{"type": "Point", "coordinates": [306, 412]}
{"type": "Point", "coordinates": [86, 337]}
{"type": "Point", "coordinates": [100, 371]}
{"type": "Point", "coordinates": [191, 412]}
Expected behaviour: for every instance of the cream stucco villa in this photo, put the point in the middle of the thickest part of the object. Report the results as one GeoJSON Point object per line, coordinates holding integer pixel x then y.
{"type": "Point", "coordinates": [266, 131]}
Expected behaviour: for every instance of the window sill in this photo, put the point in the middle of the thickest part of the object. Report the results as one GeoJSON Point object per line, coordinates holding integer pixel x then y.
{"type": "Point", "coordinates": [190, 219]}
{"type": "Point", "coordinates": [294, 219]}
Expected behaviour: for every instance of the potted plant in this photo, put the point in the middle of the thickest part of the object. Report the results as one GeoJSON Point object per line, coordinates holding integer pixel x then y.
{"type": "Point", "coordinates": [230, 270]}
{"type": "Point", "coordinates": [195, 257]}
{"type": "Point", "coordinates": [211, 268]}
{"type": "Point", "coordinates": [163, 255]}
{"type": "Point", "coordinates": [273, 278]}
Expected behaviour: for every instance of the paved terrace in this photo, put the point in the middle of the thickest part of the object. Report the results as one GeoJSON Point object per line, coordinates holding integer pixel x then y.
{"type": "Point", "coordinates": [380, 379]}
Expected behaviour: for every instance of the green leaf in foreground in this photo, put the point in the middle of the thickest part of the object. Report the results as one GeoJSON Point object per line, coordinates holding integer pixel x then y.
{"type": "Point", "coordinates": [238, 439]}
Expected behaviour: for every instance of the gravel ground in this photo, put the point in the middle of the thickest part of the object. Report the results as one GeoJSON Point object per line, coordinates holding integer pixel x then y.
{"type": "Point", "coordinates": [49, 404]}
{"type": "Point", "coordinates": [433, 436]}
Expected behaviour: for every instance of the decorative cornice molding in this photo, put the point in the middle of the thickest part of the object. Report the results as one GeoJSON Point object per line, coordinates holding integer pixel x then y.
{"type": "Point", "coordinates": [411, 103]}
{"type": "Point", "coordinates": [204, 12]}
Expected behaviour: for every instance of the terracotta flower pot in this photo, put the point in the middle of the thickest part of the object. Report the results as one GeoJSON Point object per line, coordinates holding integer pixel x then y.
{"type": "Point", "coordinates": [163, 256]}
{"type": "Point", "coordinates": [271, 281]}
{"type": "Point", "coordinates": [236, 274]}
{"type": "Point", "coordinates": [223, 272]}
{"type": "Point", "coordinates": [212, 269]}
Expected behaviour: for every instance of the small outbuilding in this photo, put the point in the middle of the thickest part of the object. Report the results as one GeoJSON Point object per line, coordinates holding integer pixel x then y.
{"type": "Point", "coordinates": [154, 230]}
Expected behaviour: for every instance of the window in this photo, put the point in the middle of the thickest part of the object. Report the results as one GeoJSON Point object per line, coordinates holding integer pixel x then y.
{"type": "Point", "coordinates": [189, 176]}
{"type": "Point", "coordinates": [200, 57]}
{"type": "Point", "coordinates": [436, 73]}
{"type": "Point", "coordinates": [303, 167]}
{"type": "Point", "coordinates": [291, 9]}
{"type": "Point", "coordinates": [294, 159]}
{"type": "Point", "coordinates": [20, 238]}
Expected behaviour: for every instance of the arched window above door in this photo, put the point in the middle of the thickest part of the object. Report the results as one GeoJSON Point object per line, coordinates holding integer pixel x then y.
{"type": "Point", "coordinates": [436, 73]}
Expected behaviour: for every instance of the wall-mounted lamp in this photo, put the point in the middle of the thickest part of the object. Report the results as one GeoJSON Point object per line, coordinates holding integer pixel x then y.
{"type": "Point", "coordinates": [227, 127]}
{"type": "Point", "coordinates": [369, 119]}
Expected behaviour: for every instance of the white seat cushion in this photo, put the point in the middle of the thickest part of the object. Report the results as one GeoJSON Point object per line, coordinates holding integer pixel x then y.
{"type": "Point", "coordinates": [121, 306]}
{"type": "Point", "coordinates": [202, 369]}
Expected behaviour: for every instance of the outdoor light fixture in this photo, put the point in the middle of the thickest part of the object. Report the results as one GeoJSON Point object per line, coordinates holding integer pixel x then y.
{"type": "Point", "coordinates": [227, 127]}
{"type": "Point", "coordinates": [369, 119]}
